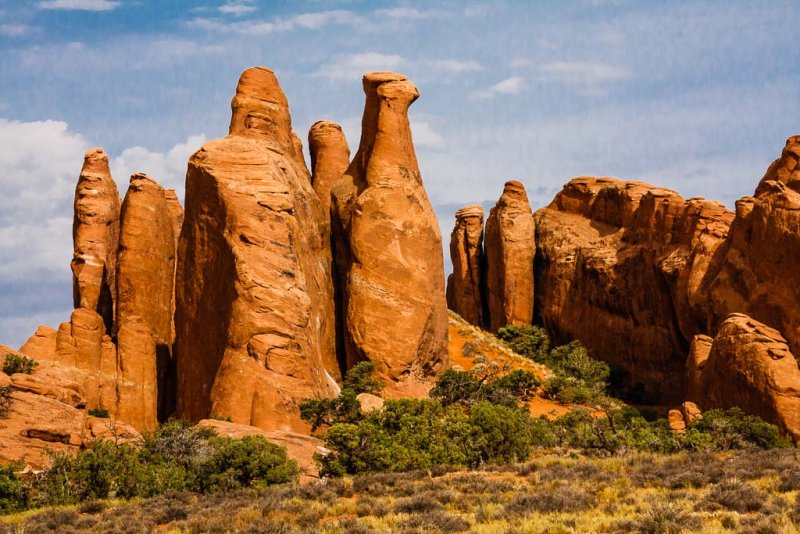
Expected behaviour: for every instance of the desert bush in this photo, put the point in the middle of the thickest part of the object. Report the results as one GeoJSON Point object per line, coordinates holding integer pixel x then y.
{"type": "Point", "coordinates": [735, 496]}
{"type": "Point", "coordinates": [13, 490]}
{"type": "Point", "coordinates": [435, 521]}
{"type": "Point", "coordinates": [667, 518]}
{"type": "Point", "coordinates": [420, 504]}
{"type": "Point", "coordinates": [345, 408]}
{"type": "Point", "coordinates": [17, 363]}
{"type": "Point", "coordinates": [367, 506]}
{"type": "Point", "coordinates": [732, 429]}
{"type": "Point", "coordinates": [6, 400]}
{"type": "Point", "coordinates": [240, 463]}
{"type": "Point", "coordinates": [99, 412]}
{"type": "Point", "coordinates": [527, 340]}
{"type": "Point", "coordinates": [557, 499]}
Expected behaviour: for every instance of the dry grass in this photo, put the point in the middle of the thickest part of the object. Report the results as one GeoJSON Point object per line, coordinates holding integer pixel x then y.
{"type": "Point", "coordinates": [742, 492]}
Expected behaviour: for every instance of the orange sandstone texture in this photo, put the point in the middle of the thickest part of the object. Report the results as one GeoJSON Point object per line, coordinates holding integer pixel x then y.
{"type": "Point", "coordinates": [330, 157]}
{"type": "Point", "coordinates": [510, 248]}
{"type": "Point", "coordinates": [254, 298]}
{"type": "Point", "coordinates": [388, 245]}
{"type": "Point", "coordinates": [95, 233]}
{"type": "Point", "coordinates": [466, 253]}
{"type": "Point", "coordinates": [751, 367]}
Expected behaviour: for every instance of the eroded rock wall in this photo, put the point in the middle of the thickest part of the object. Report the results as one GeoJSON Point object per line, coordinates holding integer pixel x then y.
{"type": "Point", "coordinates": [464, 285]}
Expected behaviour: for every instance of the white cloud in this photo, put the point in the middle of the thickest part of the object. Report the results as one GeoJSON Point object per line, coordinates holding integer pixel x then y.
{"type": "Point", "coordinates": [80, 5]}
{"type": "Point", "coordinates": [40, 163]}
{"type": "Point", "coordinates": [409, 13]}
{"type": "Point", "coordinates": [509, 86]}
{"type": "Point", "coordinates": [237, 8]}
{"type": "Point", "coordinates": [15, 30]}
{"type": "Point", "coordinates": [167, 168]}
{"type": "Point", "coordinates": [425, 135]}
{"type": "Point", "coordinates": [584, 72]}
{"type": "Point", "coordinates": [353, 66]}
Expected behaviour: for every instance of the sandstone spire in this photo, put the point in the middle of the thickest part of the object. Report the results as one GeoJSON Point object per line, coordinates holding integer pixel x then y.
{"type": "Point", "coordinates": [254, 318]}
{"type": "Point", "coordinates": [330, 157]}
{"type": "Point", "coordinates": [144, 299]}
{"type": "Point", "coordinates": [510, 248]}
{"type": "Point", "coordinates": [388, 245]}
{"type": "Point", "coordinates": [466, 253]}
{"type": "Point", "coordinates": [95, 232]}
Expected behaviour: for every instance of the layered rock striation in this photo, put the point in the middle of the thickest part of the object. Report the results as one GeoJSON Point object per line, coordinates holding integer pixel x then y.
{"type": "Point", "coordinates": [254, 311]}
{"type": "Point", "coordinates": [390, 268]}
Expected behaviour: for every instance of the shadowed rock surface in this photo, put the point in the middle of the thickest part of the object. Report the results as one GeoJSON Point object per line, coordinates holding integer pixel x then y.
{"type": "Point", "coordinates": [388, 246]}
{"type": "Point", "coordinates": [254, 318]}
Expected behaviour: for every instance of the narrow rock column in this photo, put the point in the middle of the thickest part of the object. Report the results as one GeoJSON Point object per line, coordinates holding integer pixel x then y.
{"type": "Point", "coordinates": [510, 248]}
{"type": "Point", "coordinates": [144, 299]}
{"type": "Point", "coordinates": [330, 157]}
{"type": "Point", "coordinates": [95, 233]}
{"type": "Point", "coordinates": [466, 253]}
{"type": "Point", "coordinates": [388, 245]}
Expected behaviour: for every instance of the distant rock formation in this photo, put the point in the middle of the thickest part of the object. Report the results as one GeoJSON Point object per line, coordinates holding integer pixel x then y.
{"type": "Point", "coordinates": [464, 285]}
{"type": "Point", "coordinates": [509, 245]}
{"type": "Point", "coordinates": [330, 157]}
{"type": "Point", "coordinates": [388, 245]}
{"type": "Point", "coordinates": [95, 232]}
{"type": "Point", "coordinates": [751, 367]}
{"type": "Point", "coordinates": [254, 314]}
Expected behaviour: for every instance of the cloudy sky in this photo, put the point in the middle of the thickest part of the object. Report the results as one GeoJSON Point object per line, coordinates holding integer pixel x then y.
{"type": "Point", "coordinates": [697, 96]}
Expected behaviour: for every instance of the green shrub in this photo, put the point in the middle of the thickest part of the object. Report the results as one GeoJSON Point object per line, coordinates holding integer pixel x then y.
{"type": "Point", "coordinates": [99, 412]}
{"type": "Point", "coordinates": [17, 363]}
{"type": "Point", "coordinates": [527, 340]}
{"type": "Point", "coordinates": [359, 379]}
{"type": "Point", "coordinates": [732, 429]}
{"type": "Point", "coordinates": [345, 408]}
{"type": "Point", "coordinates": [13, 490]}
{"type": "Point", "coordinates": [245, 462]}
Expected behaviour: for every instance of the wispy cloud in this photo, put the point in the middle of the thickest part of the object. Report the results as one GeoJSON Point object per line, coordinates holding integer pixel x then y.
{"type": "Point", "coordinates": [237, 8]}
{"type": "Point", "coordinates": [80, 5]}
{"type": "Point", "coordinates": [410, 13]}
{"type": "Point", "coordinates": [509, 86]}
{"type": "Point", "coordinates": [308, 21]}
{"type": "Point", "coordinates": [352, 66]}
{"type": "Point", "coordinates": [454, 65]}
{"type": "Point", "coordinates": [584, 73]}
{"type": "Point", "coordinates": [15, 30]}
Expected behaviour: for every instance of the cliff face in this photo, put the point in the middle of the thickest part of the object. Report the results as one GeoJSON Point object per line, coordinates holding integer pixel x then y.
{"type": "Point", "coordinates": [389, 263]}
{"type": "Point", "coordinates": [254, 317]}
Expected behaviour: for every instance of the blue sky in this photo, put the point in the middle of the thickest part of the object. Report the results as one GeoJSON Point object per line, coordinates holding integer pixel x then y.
{"type": "Point", "coordinates": [696, 96]}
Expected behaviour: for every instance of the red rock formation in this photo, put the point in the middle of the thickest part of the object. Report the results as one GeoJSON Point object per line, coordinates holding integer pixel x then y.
{"type": "Point", "coordinates": [330, 157]}
{"type": "Point", "coordinates": [254, 320]}
{"type": "Point", "coordinates": [95, 232]}
{"type": "Point", "coordinates": [145, 279]}
{"type": "Point", "coordinates": [751, 367]}
{"type": "Point", "coordinates": [388, 245]}
{"type": "Point", "coordinates": [756, 274]}
{"type": "Point", "coordinates": [509, 245]}
{"type": "Point", "coordinates": [622, 267]}
{"type": "Point", "coordinates": [176, 211]}
{"type": "Point", "coordinates": [466, 253]}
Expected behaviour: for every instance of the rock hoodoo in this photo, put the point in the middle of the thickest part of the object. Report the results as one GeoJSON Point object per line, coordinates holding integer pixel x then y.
{"type": "Point", "coordinates": [464, 285]}
{"type": "Point", "coordinates": [95, 232]}
{"type": "Point", "coordinates": [509, 244]}
{"type": "Point", "coordinates": [330, 157]}
{"type": "Point", "coordinates": [388, 245]}
{"type": "Point", "coordinates": [254, 318]}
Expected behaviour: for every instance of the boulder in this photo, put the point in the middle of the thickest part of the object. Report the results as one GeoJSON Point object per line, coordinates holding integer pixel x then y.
{"type": "Point", "coordinates": [390, 269]}
{"type": "Point", "coordinates": [750, 366]}
{"type": "Point", "coordinates": [95, 232]}
{"type": "Point", "coordinates": [464, 285]}
{"type": "Point", "coordinates": [691, 412]}
{"type": "Point", "coordinates": [254, 297]}
{"type": "Point", "coordinates": [509, 244]}
{"type": "Point", "coordinates": [330, 157]}
{"type": "Point", "coordinates": [369, 402]}
{"type": "Point", "coordinates": [675, 421]}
